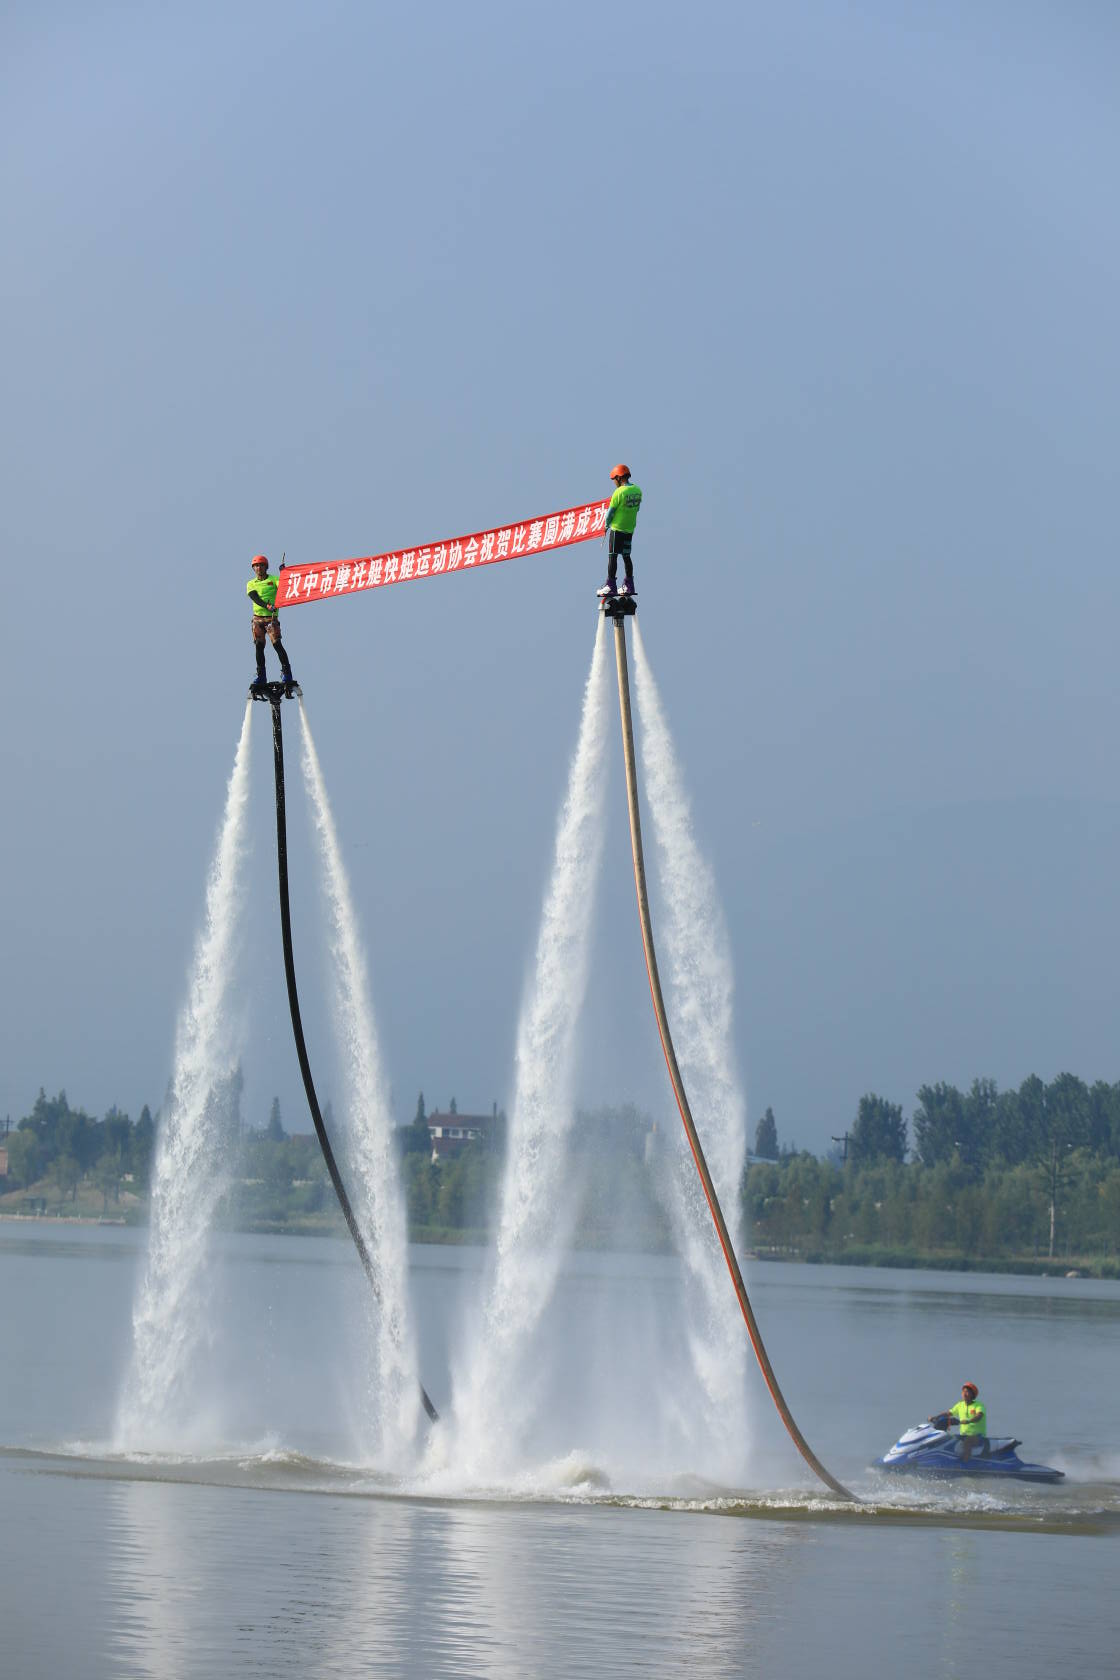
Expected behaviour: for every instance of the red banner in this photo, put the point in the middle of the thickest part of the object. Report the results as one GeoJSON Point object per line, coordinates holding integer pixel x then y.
{"type": "Point", "coordinates": [324, 579]}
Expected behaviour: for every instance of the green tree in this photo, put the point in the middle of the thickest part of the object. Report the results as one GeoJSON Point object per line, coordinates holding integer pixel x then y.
{"type": "Point", "coordinates": [118, 1132]}
{"type": "Point", "coordinates": [449, 1200]}
{"type": "Point", "coordinates": [1062, 1126]}
{"type": "Point", "coordinates": [310, 1198]}
{"type": "Point", "coordinates": [276, 1165]}
{"type": "Point", "coordinates": [1011, 1142]}
{"type": "Point", "coordinates": [980, 1117]}
{"type": "Point", "coordinates": [938, 1123]}
{"type": "Point", "coordinates": [420, 1178]}
{"type": "Point", "coordinates": [1104, 1118]}
{"type": "Point", "coordinates": [142, 1145]}
{"type": "Point", "coordinates": [1022, 1123]}
{"type": "Point", "coordinates": [475, 1210]}
{"type": "Point", "coordinates": [809, 1186]}
{"type": "Point", "coordinates": [45, 1120]}
{"type": "Point", "coordinates": [44, 1115]}
{"type": "Point", "coordinates": [415, 1138]}
{"type": "Point", "coordinates": [25, 1158]}
{"type": "Point", "coordinates": [65, 1173]}
{"type": "Point", "coordinates": [760, 1190]}
{"type": "Point", "coordinates": [766, 1137]}
{"type": "Point", "coordinates": [1108, 1192]}
{"type": "Point", "coordinates": [879, 1132]}
{"type": "Point", "coordinates": [76, 1135]}
{"type": "Point", "coordinates": [274, 1131]}
{"type": "Point", "coordinates": [107, 1175]}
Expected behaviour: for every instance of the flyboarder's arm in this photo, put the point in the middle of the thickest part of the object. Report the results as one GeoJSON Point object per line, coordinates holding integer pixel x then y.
{"type": "Point", "coordinates": [253, 596]}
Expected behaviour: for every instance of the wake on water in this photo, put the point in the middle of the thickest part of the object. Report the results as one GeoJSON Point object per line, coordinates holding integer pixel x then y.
{"type": "Point", "coordinates": [1089, 1507]}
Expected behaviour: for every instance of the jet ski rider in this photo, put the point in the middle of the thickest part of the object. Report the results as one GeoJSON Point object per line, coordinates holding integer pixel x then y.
{"type": "Point", "coordinates": [971, 1418]}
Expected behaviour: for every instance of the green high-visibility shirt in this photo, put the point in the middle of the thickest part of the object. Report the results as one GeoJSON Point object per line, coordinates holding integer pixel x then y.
{"type": "Point", "coordinates": [266, 588]}
{"type": "Point", "coordinates": [622, 515]}
{"type": "Point", "coordinates": [972, 1417]}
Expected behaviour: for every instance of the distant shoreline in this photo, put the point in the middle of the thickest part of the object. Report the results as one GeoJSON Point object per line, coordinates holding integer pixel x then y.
{"type": "Point", "coordinates": [1071, 1266]}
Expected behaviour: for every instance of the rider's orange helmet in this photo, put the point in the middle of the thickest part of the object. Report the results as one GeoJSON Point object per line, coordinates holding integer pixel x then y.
{"type": "Point", "coordinates": [620, 472]}
{"type": "Point", "coordinates": [259, 560]}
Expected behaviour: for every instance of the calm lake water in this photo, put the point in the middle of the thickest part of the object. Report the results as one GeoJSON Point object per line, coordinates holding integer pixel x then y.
{"type": "Point", "coordinates": [268, 1545]}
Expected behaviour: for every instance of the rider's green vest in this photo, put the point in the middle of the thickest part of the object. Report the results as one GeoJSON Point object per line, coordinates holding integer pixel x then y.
{"type": "Point", "coordinates": [266, 588]}
{"type": "Point", "coordinates": [971, 1416]}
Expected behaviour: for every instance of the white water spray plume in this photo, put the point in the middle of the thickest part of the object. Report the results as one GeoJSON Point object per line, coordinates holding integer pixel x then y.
{"type": "Point", "coordinates": [493, 1392]}
{"type": "Point", "coordinates": [697, 959]}
{"type": "Point", "coordinates": [192, 1162]}
{"type": "Point", "coordinates": [374, 1175]}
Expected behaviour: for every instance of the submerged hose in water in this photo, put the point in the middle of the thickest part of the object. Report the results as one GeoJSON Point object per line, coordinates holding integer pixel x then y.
{"type": "Point", "coordinates": [716, 1211]}
{"type": "Point", "coordinates": [275, 695]}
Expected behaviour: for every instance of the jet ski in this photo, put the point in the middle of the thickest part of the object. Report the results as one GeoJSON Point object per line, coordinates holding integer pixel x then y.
{"type": "Point", "coordinates": [928, 1449]}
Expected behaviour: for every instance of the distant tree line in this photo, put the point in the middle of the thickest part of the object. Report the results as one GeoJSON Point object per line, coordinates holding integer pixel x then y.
{"type": "Point", "coordinates": [988, 1173]}
{"type": "Point", "coordinates": [996, 1173]}
{"type": "Point", "coordinates": [61, 1149]}
{"type": "Point", "coordinates": [66, 1145]}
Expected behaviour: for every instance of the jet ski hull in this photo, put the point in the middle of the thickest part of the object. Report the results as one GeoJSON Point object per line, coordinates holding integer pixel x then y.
{"type": "Point", "coordinates": [926, 1451]}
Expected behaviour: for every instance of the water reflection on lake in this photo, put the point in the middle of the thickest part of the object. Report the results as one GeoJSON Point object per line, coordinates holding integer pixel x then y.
{"type": "Point", "coordinates": [272, 1548]}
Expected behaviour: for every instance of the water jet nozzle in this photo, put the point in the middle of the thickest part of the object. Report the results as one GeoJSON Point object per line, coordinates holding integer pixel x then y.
{"type": "Point", "coordinates": [274, 692]}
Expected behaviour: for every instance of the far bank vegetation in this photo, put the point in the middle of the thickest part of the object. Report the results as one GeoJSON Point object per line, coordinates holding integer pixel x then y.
{"type": "Point", "coordinates": [1026, 1178]}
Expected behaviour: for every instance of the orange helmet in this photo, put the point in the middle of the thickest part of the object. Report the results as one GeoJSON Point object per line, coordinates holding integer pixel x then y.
{"type": "Point", "coordinates": [970, 1388]}
{"type": "Point", "coordinates": [259, 560]}
{"type": "Point", "coordinates": [620, 472]}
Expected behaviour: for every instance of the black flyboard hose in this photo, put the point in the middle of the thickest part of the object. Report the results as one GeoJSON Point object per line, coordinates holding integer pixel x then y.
{"type": "Point", "coordinates": [297, 1023]}
{"type": "Point", "coordinates": [677, 1082]}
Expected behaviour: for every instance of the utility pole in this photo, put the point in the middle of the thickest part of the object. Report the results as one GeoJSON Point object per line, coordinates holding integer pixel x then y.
{"type": "Point", "coordinates": [845, 1140]}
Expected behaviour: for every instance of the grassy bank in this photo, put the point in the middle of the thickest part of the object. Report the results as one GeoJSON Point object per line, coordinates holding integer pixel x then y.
{"type": "Point", "coordinates": [909, 1259]}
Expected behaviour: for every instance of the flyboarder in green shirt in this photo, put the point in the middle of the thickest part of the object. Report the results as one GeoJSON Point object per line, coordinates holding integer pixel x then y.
{"type": "Point", "coordinates": [261, 590]}
{"type": "Point", "coordinates": [622, 516]}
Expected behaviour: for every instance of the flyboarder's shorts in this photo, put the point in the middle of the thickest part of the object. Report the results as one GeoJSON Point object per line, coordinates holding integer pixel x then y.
{"type": "Point", "coordinates": [263, 627]}
{"type": "Point", "coordinates": [619, 542]}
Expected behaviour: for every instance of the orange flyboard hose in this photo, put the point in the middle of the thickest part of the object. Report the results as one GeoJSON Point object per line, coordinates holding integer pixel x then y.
{"type": "Point", "coordinates": [716, 1211]}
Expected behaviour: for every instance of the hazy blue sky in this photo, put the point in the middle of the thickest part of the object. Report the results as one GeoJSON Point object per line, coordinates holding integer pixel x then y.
{"type": "Point", "coordinates": [839, 281]}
